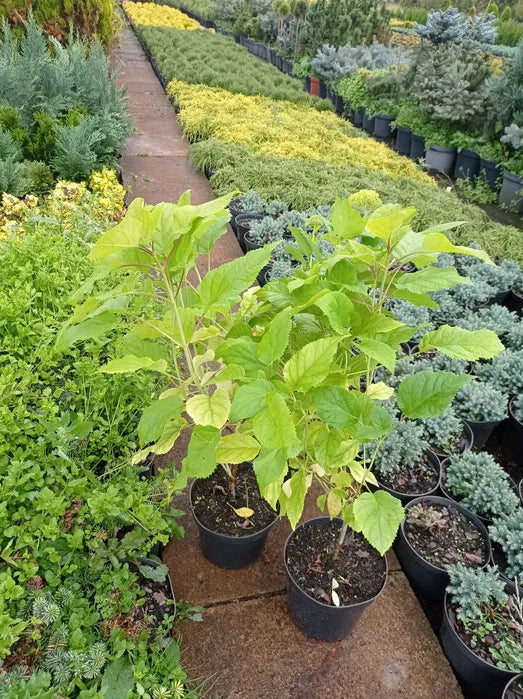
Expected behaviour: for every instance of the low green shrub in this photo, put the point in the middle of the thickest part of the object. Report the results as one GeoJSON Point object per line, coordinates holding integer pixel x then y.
{"type": "Point", "coordinates": [217, 61]}
{"type": "Point", "coordinates": [509, 32]}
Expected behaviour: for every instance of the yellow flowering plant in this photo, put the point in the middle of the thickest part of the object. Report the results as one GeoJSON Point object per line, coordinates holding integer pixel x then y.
{"type": "Point", "coordinates": [151, 15]}
{"type": "Point", "coordinates": [283, 129]}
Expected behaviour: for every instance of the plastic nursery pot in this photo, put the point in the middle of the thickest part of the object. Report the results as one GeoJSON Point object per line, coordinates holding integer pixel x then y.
{"type": "Point", "coordinates": [490, 173]}
{"type": "Point", "coordinates": [514, 302]}
{"type": "Point", "coordinates": [441, 159]}
{"type": "Point", "coordinates": [368, 122]}
{"type": "Point", "coordinates": [242, 226]}
{"type": "Point", "coordinates": [520, 490]}
{"type": "Point", "coordinates": [469, 443]}
{"type": "Point", "coordinates": [307, 84]}
{"type": "Point", "coordinates": [142, 560]}
{"type": "Point", "coordinates": [382, 127]}
{"type": "Point", "coordinates": [428, 580]}
{"type": "Point", "coordinates": [417, 147]}
{"type": "Point", "coordinates": [482, 431]}
{"type": "Point", "coordinates": [467, 164]}
{"type": "Point", "coordinates": [357, 118]}
{"type": "Point", "coordinates": [403, 140]}
{"type": "Point", "coordinates": [510, 690]}
{"type": "Point", "coordinates": [317, 620]}
{"type": "Point", "coordinates": [230, 552]}
{"type": "Point", "coordinates": [323, 89]}
{"type": "Point", "coordinates": [251, 244]}
{"type": "Point", "coordinates": [405, 498]}
{"type": "Point", "coordinates": [511, 195]}
{"type": "Point", "coordinates": [499, 559]}
{"type": "Point", "coordinates": [478, 678]}
{"type": "Point", "coordinates": [513, 436]}
{"type": "Point", "coordinates": [338, 104]}
{"type": "Point", "coordinates": [315, 87]}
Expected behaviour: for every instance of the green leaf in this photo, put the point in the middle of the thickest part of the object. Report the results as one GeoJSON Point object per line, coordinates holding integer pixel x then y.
{"type": "Point", "coordinates": [156, 416]}
{"type": "Point", "coordinates": [429, 393]}
{"type": "Point", "coordinates": [310, 365]}
{"type": "Point", "coordinates": [338, 309]}
{"type": "Point", "coordinates": [379, 351]}
{"type": "Point", "coordinates": [273, 426]}
{"type": "Point", "coordinates": [458, 343]}
{"type": "Point", "coordinates": [136, 227]}
{"type": "Point", "coordinates": [276, 337]}
{"type": "Point", "coordinates": [220, 289]}
{"type": "Point", "coordinates": [118, 678]}
{"type": "Point", "coordinates": [415, 299]}
{"type": "Point", "coordinates": [378, 516]}
{"type": "Point", "coordinates": [236, 448]}
{"type": "Point", "coordinates": [346, 221]}
{"type": "Point", "coordinates": [170, 434]}
{"type": "Point", "coordinates": [130, 363]}
{"type": "Point", "coordinates": [385, 226]}
{"type": "Point", "coordinates": [304, 241]}
{"type": "Point", "coordinates": [269, 466]}
{"type": "Point", "coordinates": [352, 410]}
{"type": "Point", "coordinates": [90, 329]}
{"type": "Point", "coordinates": [423, 247]}
{"type": "Point", "coordinates": [430, 278]}
{"type": "Point", "coordinates": [200, 461]}
{"type": "Point", "coordinates": [292, 505]}
{"type": "Point", "coordinates": [249, 399]}
{"type": "Point", "coordinates": [241, 351]}
{"type": "Point", "coordinates": [210, 410]}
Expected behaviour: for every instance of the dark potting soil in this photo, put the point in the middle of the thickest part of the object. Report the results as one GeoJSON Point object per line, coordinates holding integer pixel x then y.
{"type": "Point", "coordinates": [359, 569]}
{"type": "Point", "coordinates": [452, 538]}
{"type": "Point", "coordinates": [457, 446]}
{"type": "Point", "coordinates": [158, 601]}
{"type": "Point", "coordinates": [421, 479]}
{"type": "Point", "coordinates": [515, 691]}
{"type": "Point", "coordinates": [214, 505]}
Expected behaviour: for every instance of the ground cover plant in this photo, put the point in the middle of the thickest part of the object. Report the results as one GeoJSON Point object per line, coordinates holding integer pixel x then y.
{"type": "Point", "coordinates": [75, 617]}
{"type": "Point", "coordinates": [283, 130]}
{"type": "Point", "coordinates": [153, 15]}
{"type": "Point", "coordinates": [61, 114]}
{"type": "Point", "coordinates": [217, 61]}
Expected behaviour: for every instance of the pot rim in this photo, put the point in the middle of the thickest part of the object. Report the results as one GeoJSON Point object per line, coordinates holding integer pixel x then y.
{"type": "Point", "coordinates": [511, 412]}
{"type": "Point", "coordinates": [447, 503]}
{"type": "Point", "coordinates": [442, 149]}
{"type": "Point", "coordinates": [321, 520]}
{"type": "Point", "coordinates": [247, 537]}
{"type": "Point", "coordinates": [517, 677]}
{"type": "Point", "coordinates": [512, 177]}
{"type": "Point", "coordinates": [491, 666]}
{"type": "Point", "coordinates": [469, 436]}
{"type": "Point", "coordinates": [434, 459]}
{"type": "Point", "coordinates": [248, 215]}
{"type": "Point", "coordinates": [145, 560]}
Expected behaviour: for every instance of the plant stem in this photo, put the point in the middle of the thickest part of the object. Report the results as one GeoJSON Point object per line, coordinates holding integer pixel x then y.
{"type": "Point", "coordinates": [341, 539]}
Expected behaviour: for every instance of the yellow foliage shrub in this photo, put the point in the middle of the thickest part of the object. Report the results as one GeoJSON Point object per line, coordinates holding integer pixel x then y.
{"type": "Point", "coordinates": [151, 15]}
{"type": "Point", "coordinates": [283, 129]}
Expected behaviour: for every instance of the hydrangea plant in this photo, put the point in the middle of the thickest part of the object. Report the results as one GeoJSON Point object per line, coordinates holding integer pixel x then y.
{"type": "Point", "coordinates": [508, 533]}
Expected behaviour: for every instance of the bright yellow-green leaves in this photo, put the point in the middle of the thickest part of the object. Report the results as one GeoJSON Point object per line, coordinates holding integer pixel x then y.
{"type": "Point", "coordinates": [152, 15]}
{"type": "Point", "coordinates": [209, 410]}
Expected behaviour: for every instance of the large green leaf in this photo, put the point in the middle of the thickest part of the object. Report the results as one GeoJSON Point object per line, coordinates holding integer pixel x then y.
{"type": "Point", "coordinates": [170, 434]}
{"type": "Point", "coordinates": [210, 410]}
{"type": "Point", "coordinates": [220, 289]}
{"type": "Point", "coordinates": [351, 410]}
{"type": "Point", "coordinates": [384, 223]}
{"type": "Point", "coordinates": [249, 399]}
{"type": "Point", "coordinates": [338, 309]}
{"type": "Point", "coordinates": [236, 448]}
{"type": "Point", "coordinates": [136, 227]}
{"type": "Point", "coordinates": [276, 338]}
{"type": "Point", "coordinates": [270, 465]}
{"type": "Point", "coordinates": [292, 498]}
{"type": "Point", "coordinates": [346, 221]}
{"type": "Point", "coordinates": [423, 247]}
{"type": "Point", "coordinates": [118, 678]}
{"type": "Point", "coordinates": [431, 278]}
{"type": "Point", "coordinates": [273, 426]}
{"type": "Point", "coordinates": [378, 516]}
{"type": "Point", "coordinates": [380, 352]}
{"type": "Point", "coordinates": [200, 461]}
{"type": "Point", "coordinates": [429, 393]}
{"type": "Point", "coordinates": [310, 365]}
{"type": "Point", "coordinates": [241, 351]}
{"type": "Point", "coordinates": [90, 329]}
{"type": "Point", "coordinates": [156, 416]}
{"type": "Point", "coordinates": [130, 364]}
{"type": "Point", "coordinates": [458, 343]}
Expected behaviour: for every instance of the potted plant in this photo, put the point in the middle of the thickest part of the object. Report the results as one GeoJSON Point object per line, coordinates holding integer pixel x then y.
{"type": "Point", "coordinates": [248, 203]}
{"type": "Point", "coordinates": [483, 407]}
{"type": "Point", "coordinates": [405, 466]}
{"type": "Point", "coordinates": [468, 160]}
{"type": "Point", "coordinates": [478, 482]}
{"type": "Point", "coordinates": [479, 631]}
{"type": "Point", "coordinates": [410, 119]}
{"type": "Point", "coordinates": [515, 298]}
{"type": "Point", "coordinates": [505, 372]}
{"type": "Point", "coordinates": [506, 532]}
{"type": "Point", "coordinates": [490, 170]}
{"type": "Point", "coordinates": [513, 438]}
{"type": "Point", "coordinates": [447, 434]}
{"type": "Point", "coordinates": [514, 689]}
{"type": "Point", "coordinates": [435, 533]}
{"type": "Point", "coordinates": [439, 157]}
{"type": "Point", "coordinates": [511, 194]}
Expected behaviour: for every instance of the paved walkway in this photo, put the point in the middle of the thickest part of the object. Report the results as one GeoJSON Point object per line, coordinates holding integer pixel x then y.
{"type": "Point", "coordinates": [247, 645]}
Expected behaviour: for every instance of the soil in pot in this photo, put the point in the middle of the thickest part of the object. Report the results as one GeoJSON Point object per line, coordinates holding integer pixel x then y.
{"type": "Point", "coordinates": [214, 505]}
{"type": "Point", "coordinates": [514, 690]}
{"type": "Point", "coordinates": [416, 480]}
{"type": "Point", "coordinates": [443, 535]}
{"type": "Point", "coordinates": [459, 444]}
{"type": "Point", "coordinates": [359, 569]}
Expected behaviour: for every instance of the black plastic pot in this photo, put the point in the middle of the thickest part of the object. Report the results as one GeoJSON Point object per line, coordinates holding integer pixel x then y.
{"type": "Point", "coordinates": [417, 147]}
{"type": "Point", "coordinates": [428, 580]}
{"type": "Point", "coordinates": [382, 127]}
{"type": "Point", "coordinates": [490, 172]}
{"type": "Point", "coordinates": [514, 302]}
{"type": "Point", "coordinates": [357, 118]}
{"type": "Point", "coordinates": [478, 678]}
{"type": "Point", "coordinates": [368, 122]}
{"type": "Point", "coordinates": [250, 244]}
{"type": "Point", "coordinates": [315, 619]}
{"type": "Point", "coordinates": [338, 105]}
{"type": "Point", "coordinates": [469, 443]}
{"type": "Point", "coordinates": [241, 228]}
{"type": "Point", "coordinates": [482, 431]}
{"type": "Point", "coordinates": [467, 164]}
{"type": "Point", "coordinates": [403, 140]}
{"type": "Point", "coordinates": [307, 84]}
{"type": "Point", "coordinates": [513, 436]}
{"type": "Point", "coordinates": [230, 552]}
{"type": "Point", "coordinates": [507, 693]}
{"type": "Point", "coordinates": [323, 89]}
{"type": "Point", "coordinates": [406, 498]}
{"type": "Point", "coordinates": [440, 159]}
{"type": "Point", "coordinates": [511, 194]}
{"type": "Point", "coordinates": [154, 564]}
